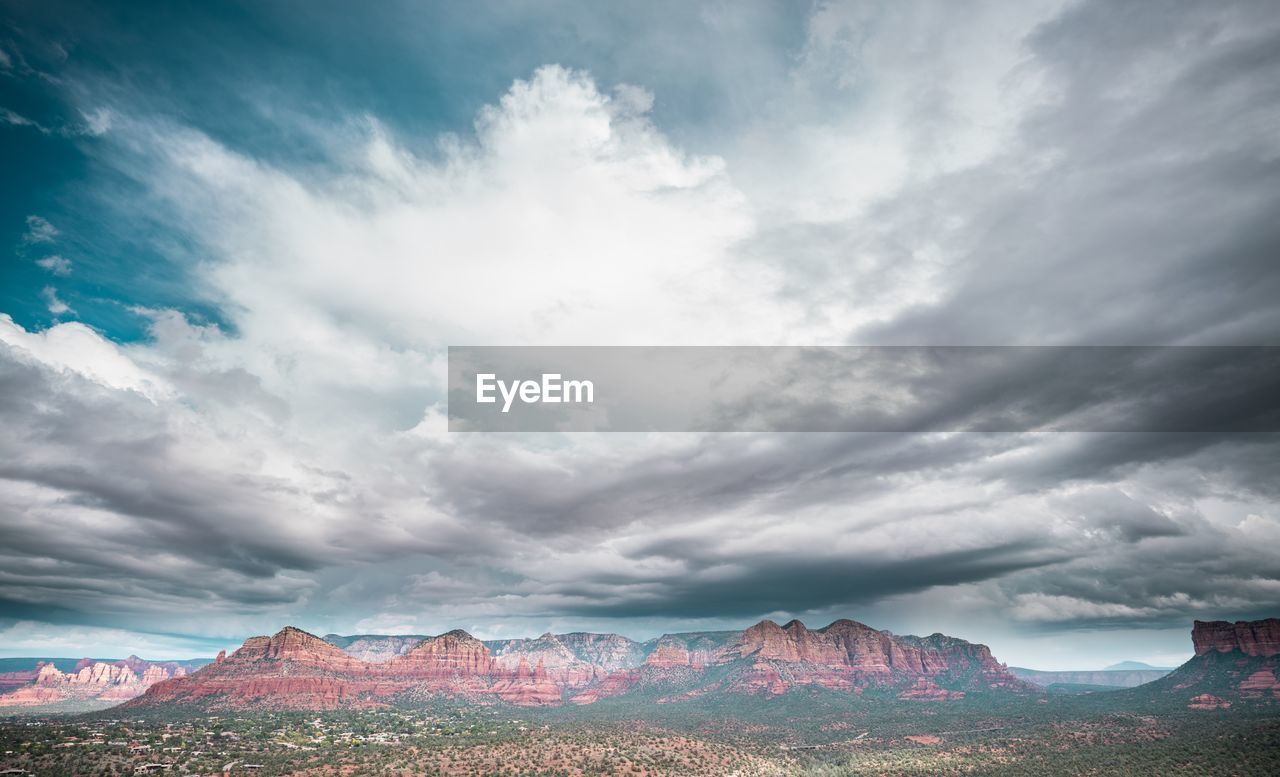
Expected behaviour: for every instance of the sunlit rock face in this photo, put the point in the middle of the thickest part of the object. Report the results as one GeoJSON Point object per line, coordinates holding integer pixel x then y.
{"type": "Point", "coordinates": [90, 681]}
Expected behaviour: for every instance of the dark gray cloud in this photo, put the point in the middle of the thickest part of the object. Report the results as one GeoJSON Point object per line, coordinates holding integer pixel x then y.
{"type": "Point", "coordinates": [788, 583]}
{"type": "Point", "coordinates": [1136, 206]}
{"type": "Point", "coordinates": [114, 509]}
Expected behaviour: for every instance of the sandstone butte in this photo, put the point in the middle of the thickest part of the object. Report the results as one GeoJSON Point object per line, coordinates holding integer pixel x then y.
{"type": "Point", "coordinates": [297, 670]}
{"type": "Point", "coordinates": [1237, 660]}
{"type": "Point", "coordinates": [1253, 638]}
{"type": "Point", "coordinates": [105, 681]}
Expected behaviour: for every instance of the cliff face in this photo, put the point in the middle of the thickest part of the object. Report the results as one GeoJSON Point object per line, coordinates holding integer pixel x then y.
{"type": "Point", "coordinates": [847, 655]}
{"type": "Point", "coordinates": [608, 651]}
{"type": "Point", "coordinates": [530, 687]}
{"type": "Point", "coordinates": [1253, 638]}
{"type": "Point", "coordinates": [697, 650]}
{"type": "Point", "coordinates": [296, 670]}
{"type": "Point", "coordinates": [850, 645]}
{"type": "Point", "coordinates": [573, 661]}
{"type": "Point", "coordinates": [102, 681]}
{"type": "Point", "coordinates": [302, 670]}
{"type": "Point", "coordinates": [375, 647]}
{"type": "Point", "coordinates": [558, 661]}
{"type": "Point", "coordinates": [12, 680]}
{"type": "Point", "coordinates": [1235, 664]}
{"type": "Point", "coordinates": [449, 656]}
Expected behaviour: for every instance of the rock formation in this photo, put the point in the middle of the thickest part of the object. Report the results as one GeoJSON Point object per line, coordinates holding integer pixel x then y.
{"type": "Point", "coordinates": [296, 670]}
{"type": "Point", "coordinates": [90, 681]}
{"type": "Point", "coordinates": [1207, 701]}
{"type": "Point", "coordinates": [572, 661]}
{"type": "Point", "coordinates": [18, 679]}
{"type": "Point", "coordinates": [847, 655]}
{"type": "Point", "coordinates": [529, 687]}
{"type": "Point", "coordinates": [375, 647]}
{"type": "Point", "coordinates": [1252, 638]}
{"type": "Point", "coordinates": [1234, 663]}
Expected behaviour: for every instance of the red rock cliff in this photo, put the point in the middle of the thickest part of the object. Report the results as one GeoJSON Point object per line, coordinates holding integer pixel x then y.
{"type": "Point", "coordinates": [1253, 638]}
{"type": "Point", "coordinates": [297, 670]}
{"type": "Point", "coordinates": [91, 681]}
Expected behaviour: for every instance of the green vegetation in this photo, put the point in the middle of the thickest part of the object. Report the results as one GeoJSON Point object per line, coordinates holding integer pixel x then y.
{"type": "Point", "coordinates": [803, 734]}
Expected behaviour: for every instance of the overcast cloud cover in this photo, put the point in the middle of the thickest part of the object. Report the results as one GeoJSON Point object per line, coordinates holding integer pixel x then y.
{"type": "Point", "coordinates": [240, 240]}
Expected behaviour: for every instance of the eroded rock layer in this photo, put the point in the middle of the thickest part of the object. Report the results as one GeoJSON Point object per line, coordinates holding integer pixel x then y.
{"type": "Point", "coordinates": [297, 670]}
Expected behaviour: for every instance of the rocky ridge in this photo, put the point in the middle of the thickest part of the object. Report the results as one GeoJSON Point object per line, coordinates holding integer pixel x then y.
{"type": "Point", "coordinates": [1235, 663]}
{"type": "Point", "coordinates": [90, 681]}
{"type": "Point", "coordinates": [1116, 678]}
{"type": "Point", "coordinates": [1252, 638]}
{"type": "Point", "coordinates": [375, 647]}
{"type": "Point", "coordinates": [297, 670]}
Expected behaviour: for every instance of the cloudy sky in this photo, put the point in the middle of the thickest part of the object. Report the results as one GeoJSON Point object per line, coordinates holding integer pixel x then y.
{"type": "Point", "coordinates": [239, 237]}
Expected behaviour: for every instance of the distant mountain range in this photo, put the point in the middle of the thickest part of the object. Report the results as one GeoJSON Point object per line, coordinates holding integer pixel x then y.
{"type": "Point", "coordinates": [1115, 676]}
{"type": "Point", "coordinates": [1234, 663]}
{"type": "Point", "coordinates": [297, 670]}
{"type": "Point", "coordinates": [1136, 666]}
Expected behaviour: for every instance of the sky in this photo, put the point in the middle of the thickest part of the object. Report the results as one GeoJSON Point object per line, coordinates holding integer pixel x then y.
{"type": "Point", "coordinates": [238, 239]}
